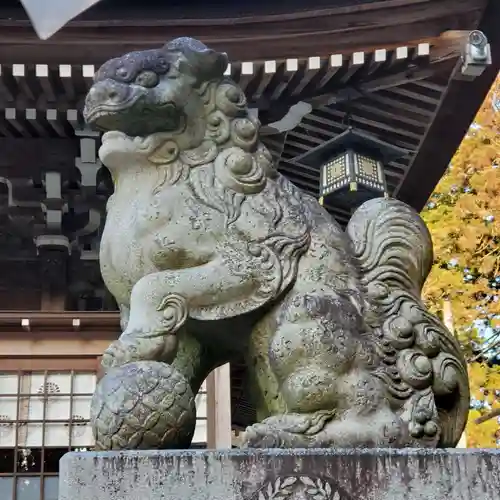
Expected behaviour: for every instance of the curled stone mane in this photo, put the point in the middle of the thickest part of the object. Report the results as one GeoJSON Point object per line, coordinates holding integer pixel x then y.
{"type": "Point", "coordinates": [230, 168]}
{"type": "Point", "coordinates": [236, 164]}
{"type": "Point", "coordinates": [240, 164]}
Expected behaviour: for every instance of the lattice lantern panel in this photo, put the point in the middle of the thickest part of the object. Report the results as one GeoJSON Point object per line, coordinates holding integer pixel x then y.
{"type": "Point", "coordinates": [335, 174]}
{"type": "Point", "coordinates": [369, 172]}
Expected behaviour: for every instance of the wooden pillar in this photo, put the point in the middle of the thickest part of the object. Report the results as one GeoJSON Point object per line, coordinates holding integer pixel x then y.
{"type": "Point", "coordinates": [219, 408]}
{"type": "Point", "coordinates": [463, 441]}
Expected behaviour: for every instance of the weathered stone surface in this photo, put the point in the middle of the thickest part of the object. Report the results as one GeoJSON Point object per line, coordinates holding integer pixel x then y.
{"type": "Point", "coordinates": [211, 254]}
{"type": "Point", "coordinates": [377, 474]}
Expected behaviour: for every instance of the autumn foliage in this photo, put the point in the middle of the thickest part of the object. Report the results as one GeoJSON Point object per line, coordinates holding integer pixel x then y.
{"type": "Point", "coordinates": [463, 215]}
{"type": "Point", "coordinates": [485, 388]}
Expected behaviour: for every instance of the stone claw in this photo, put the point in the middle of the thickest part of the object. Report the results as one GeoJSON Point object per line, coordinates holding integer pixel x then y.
{"type": "Point", "coordinates": [287, 431]}
{"type": "Point", "coordinates": [129, 348]}
{"type": "Point", "coordinates": [259, 436]}
{"type": "Point", "coordinates": [268, 436]}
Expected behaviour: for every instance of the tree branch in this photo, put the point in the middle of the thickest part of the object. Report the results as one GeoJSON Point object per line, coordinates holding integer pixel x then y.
{"type": "Point", "coordinates": [489, 416]}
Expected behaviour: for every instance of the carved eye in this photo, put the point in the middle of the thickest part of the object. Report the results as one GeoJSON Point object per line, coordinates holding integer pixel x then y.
{"type": "Point", "coordinates": [147, 79]}
{"type": "Point", "coordinates": [162, 66]}
{"type": "Point", "coordinates": [121, 72]}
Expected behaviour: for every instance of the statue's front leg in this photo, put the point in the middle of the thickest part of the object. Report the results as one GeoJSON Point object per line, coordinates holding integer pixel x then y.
{"type": "Point", "coordinates": [146, 397]}
{"type": "Point", "coordinates": [159, 306]}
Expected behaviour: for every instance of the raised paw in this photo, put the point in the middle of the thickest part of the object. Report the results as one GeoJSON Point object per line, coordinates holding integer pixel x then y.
{"type": "Point", "coordinates": [130, 348]}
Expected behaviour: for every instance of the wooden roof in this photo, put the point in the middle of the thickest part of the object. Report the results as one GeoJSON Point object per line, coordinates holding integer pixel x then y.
{"type": "Point", "coordinates": [257, 30]}
{"type": "Point", "coordinates": [390, 93]}
{"type": "Point", "coordinates": [391, 67]}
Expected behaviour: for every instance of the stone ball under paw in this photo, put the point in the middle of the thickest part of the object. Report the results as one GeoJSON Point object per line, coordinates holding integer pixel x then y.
{"type": "Point", "coordinates": [143, 405]}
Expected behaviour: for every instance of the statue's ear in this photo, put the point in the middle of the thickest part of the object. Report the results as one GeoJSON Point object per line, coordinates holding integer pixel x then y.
{"type": "Point", "coordinates": [205, 64]}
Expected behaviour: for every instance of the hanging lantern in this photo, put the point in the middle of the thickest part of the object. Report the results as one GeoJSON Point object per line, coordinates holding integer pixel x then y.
{"type": "Point", "coordinates": [351, 167]}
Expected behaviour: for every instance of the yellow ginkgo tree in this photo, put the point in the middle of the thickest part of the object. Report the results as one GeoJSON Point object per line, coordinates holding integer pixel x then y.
{"type": "Point", "coordinates": [463, 215]}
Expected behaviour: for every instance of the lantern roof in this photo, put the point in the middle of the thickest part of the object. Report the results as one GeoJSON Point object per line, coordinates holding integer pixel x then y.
{"type": "Point", "coordinates": [354, 139]}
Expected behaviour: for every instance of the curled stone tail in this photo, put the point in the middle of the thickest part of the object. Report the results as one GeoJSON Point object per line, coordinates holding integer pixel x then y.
{"type": "Point", "coordinates": [423, 368]}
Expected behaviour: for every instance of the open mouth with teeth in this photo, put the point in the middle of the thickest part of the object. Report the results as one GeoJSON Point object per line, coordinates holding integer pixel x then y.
{"type": "Point", "coordinates": [136, 118]}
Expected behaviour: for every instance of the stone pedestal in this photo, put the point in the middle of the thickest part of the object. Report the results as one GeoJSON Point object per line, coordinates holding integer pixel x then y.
{"type": "Point", "coordinates": [282, 475]}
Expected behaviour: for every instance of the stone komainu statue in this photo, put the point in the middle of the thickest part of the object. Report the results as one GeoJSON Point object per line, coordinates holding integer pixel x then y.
{"type": "Point", "coordinates": [210, 252]}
